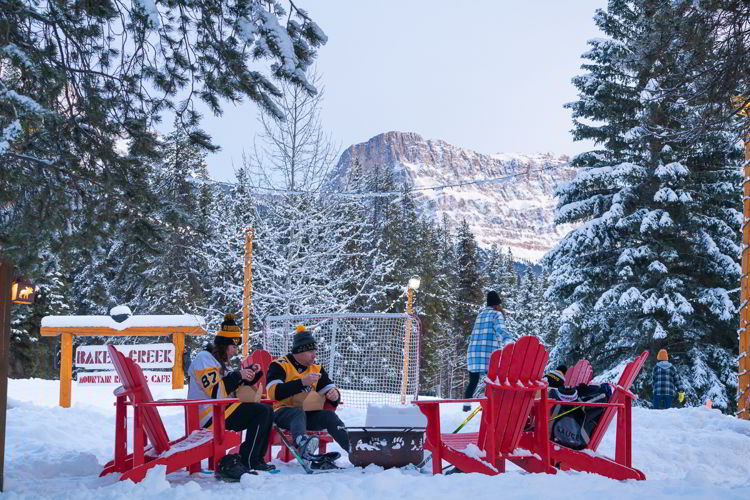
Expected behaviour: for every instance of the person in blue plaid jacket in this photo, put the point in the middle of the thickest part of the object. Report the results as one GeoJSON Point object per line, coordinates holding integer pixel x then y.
{"type": "Point", "coordinates": [490, 333]}
{"type": "Point", "coordinates": [666, 383]}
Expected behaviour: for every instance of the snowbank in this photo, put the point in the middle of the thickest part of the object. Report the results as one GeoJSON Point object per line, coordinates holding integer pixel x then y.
{"type": "Point", "coordinates": [56, 452]}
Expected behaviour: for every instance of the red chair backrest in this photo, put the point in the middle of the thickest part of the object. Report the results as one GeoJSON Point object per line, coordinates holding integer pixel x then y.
{"type": "Point", "coordinates": [263, 359]}
{"type": "Point", "coordinates": [580, 373]}
{"type": "Point", "coordinates": [629, 374]}
{"type": "Point", "coordinates": [521, 363]}
{"type": "Point", "coordinates": [134, 382]}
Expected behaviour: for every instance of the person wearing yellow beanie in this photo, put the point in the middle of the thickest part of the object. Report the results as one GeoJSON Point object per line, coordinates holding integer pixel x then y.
{"type": "Point", "coordinates": [212, 377]}
{"type": "Point", "coordinates": [665, 382]}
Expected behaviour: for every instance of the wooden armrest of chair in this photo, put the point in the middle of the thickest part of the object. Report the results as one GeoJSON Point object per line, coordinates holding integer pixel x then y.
{"type": "Point", "coordinates": [188, 402]}
{"type": "Point", "coordinates": [625, 392]}
{"type": "Point", "coordinates": [430, 402]}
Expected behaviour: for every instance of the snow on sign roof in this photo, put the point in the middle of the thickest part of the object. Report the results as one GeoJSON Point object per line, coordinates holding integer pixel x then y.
{"type": "Point", "coordinates": [165, 320]}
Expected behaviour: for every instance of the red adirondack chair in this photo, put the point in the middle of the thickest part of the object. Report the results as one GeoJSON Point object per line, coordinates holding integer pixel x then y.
{"type": "Point", "coordinates": [515, 376]}
{"type": "Point", "coordinates": [580, 373]}
{"type": "Point", "coordinates": [263, 359]}
{"type": "Point", "coordinates": [587, 460]}
{"type": "Point", "coordinates": [185, 452]}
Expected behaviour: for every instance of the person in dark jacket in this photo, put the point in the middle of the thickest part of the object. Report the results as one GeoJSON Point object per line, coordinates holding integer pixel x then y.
{"type": "Point", "coordinates": [665, 383]}
{"type": "Point", "coordinates": [291, 380]}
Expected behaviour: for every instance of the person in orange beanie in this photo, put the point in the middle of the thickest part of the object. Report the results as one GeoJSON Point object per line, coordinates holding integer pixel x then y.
{"type": "Point", "coordinates": [665, 383]}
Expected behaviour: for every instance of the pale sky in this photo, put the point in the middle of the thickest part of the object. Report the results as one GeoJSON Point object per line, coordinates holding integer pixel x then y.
{"type": "Point", "coordinates": [489, 75]}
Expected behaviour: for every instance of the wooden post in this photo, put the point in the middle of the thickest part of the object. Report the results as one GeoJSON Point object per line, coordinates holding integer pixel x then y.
{"type": "Point", "coordinates": [247, 301]}
{"type": "Point", "coordinates": [407, 345]}
{"type": "Point", "coordinates": [66, 368]}
{"type": "Point", "coordinates": [6, 275]}
{"type": "Point", "coordinates": [743, 386]}
{"type": "Point", "coordinates": [178, 377]}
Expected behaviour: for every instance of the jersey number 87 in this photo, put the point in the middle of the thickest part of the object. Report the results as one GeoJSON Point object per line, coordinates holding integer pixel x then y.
{"type": "Point", "coordinates": [205, 380]}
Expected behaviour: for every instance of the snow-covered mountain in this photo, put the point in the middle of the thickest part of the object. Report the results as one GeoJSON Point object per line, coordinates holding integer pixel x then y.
{"type": "Point", "coordinates": [513, 207]}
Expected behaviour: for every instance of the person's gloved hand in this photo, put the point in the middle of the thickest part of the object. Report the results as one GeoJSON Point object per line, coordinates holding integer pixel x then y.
{"type": "Point", "coordinates": [681, 397]}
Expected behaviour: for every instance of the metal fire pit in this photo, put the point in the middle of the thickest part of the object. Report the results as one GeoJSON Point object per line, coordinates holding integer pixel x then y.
{"type": "Point", "coordinates": [386, 446]}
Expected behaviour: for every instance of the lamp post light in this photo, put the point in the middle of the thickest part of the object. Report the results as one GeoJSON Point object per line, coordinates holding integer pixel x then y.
{"type": "Point", "coordinates": [22, 291]}
{"type": "Point", "coordinates": [413, 284]}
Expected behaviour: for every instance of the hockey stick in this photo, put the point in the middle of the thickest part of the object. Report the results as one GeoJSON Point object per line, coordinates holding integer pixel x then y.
{"type": "Point", "coordinates": [424, 462]}
{"type": "Point", "coordinates": [291, 448]}
{"type": "Point", "coordinates": [466, 421]}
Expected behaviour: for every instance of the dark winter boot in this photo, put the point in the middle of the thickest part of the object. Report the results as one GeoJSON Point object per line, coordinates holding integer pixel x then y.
{"type": "Point", "coordinates": [230, 468]}
{"type": "Point", "coordinates": [323, 465]}
{"type": "Point", "coordinates": [261, 466]}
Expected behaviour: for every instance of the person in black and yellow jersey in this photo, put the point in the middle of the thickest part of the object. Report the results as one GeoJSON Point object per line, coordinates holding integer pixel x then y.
{"type": "Point", "coordinates": [211, 376]}
{"type": "Point", "coordinates": [291, 380]}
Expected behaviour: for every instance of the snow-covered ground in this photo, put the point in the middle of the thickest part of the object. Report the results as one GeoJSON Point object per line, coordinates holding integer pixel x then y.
{"type": "Point", "coordinates": [56, 452]}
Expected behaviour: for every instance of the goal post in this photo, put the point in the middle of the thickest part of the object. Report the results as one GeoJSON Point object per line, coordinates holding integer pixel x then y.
{"type": "Point", "coordinates": [365, 354]}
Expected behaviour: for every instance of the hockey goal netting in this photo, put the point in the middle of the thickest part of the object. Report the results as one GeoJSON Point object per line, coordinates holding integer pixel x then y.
{"type": "Point", "coordinates": [364, 353]}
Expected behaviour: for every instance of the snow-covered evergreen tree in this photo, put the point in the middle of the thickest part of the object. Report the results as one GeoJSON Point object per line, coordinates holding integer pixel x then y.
{"type": "Point", "coordinates": [177, 272]}
{"type": "Point", "coordinates": [655, 257]}
{"type": "Point", "coordinates": [365, 248]}
{"type": "Point", "coordinates": [527, 314]}
{"type": "Point", "coordinates": [469, 299]}
{"type": "Point", "coordinates": [307, 240]}
{"type": "Point", "coordinates": [79, 78]}
{"type": "Point", "coordinates": [434, 302]}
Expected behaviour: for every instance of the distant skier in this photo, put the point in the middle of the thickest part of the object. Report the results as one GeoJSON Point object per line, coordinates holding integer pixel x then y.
{"type": "Point", "coordinates": [489, 334]}
{"type": "Point", "coordinates": [666, 382]}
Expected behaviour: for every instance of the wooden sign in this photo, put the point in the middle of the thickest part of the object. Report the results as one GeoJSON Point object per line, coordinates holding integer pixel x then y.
{"type": "Point", "coordinates": [146, 355]}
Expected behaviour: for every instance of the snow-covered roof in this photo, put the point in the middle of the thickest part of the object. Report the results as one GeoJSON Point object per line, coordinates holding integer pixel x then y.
{"type": "Point", "coordinates": [143, 321]}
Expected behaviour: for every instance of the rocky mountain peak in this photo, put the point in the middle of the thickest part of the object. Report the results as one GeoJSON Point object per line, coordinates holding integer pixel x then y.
{"type": "Point", "coordinates": [507, 199]}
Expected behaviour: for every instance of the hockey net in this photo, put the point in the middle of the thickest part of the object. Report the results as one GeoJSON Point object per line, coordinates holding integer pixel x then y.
{"type": "Point", "coordinates": [362, 352]}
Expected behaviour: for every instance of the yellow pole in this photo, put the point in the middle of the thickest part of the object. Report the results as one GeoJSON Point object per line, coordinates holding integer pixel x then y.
{"type": "Point", "coordinates": [178, 377]}
{"type": "Point", "coordinates": [66, 368]}
{"type": "Point", "coordinates": [407, 344]}
{"type": "Point", "coordinates": [248, 291]}
{"type": "Point", "coordinates": [743, 389]}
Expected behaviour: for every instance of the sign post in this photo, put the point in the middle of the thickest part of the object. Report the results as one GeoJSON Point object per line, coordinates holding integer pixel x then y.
{"type": "Point", "coordinates": [6, 271]}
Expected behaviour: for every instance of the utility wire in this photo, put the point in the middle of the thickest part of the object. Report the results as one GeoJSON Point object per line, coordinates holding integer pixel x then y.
{"type": "Point", "coordinates": [380, 194]}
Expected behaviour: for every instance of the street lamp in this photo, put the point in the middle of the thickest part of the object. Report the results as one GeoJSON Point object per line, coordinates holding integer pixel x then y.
{"type": "Point", "coordinates": [410, 287]}
{"type": "Point", "coordinates": [414, 282]}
